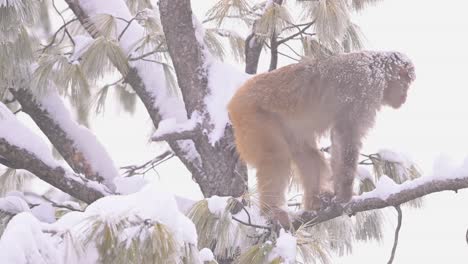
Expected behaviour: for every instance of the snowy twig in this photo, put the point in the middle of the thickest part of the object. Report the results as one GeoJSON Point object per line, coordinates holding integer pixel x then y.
{"type": "Point", "coordinates": [397, 232]}
{"type": "Point", "coordinates": [371, 203]}
{"type": "Point", "coordinates": [182, 135]}
{"type": "Point", "coordinates": [250, 224]}
{"type": "Point", "coordinates": [57, 205]}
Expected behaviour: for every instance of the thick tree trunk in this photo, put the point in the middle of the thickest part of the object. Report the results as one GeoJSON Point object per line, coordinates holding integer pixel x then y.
{"type": "Point", "coordinates": [221, 173]}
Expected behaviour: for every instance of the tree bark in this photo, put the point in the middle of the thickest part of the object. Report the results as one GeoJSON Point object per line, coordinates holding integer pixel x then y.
{"type": "Point", "coordinates": [58, 177]}
{"type": "Point", "coordinates": [221, 173]}
{"type": "Point", "coordinates": [217, 171]}
{"type": "Point", "coordinates": [274, 52]}
{"type": "Point", "coordinates": [57, 136]}
{"type": "Point", "coordinates": [253, 49]}
{"type": "Point", "coordinates": [366, 204]}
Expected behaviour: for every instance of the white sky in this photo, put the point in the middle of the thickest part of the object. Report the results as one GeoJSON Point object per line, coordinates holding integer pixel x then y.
{"type": "Point", "coordinates": [431, 124]}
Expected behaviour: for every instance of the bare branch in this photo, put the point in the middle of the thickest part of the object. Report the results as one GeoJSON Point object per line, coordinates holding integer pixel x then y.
{"type": "Point", "coordinates": [128, 25]}
{"type": "Point", "coordinates": [296, 34]}
{"type": "Point", "coordinates": [149, 165]}
{"type": "Point", "coordinates": [54, 37]}
{"type": "Point", "coordinates": [397, 232]}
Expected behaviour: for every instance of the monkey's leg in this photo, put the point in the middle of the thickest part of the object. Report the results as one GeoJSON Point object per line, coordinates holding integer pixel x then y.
{"type": "Point", "coordinates": [346, 144]}
{"type": "Point", "coordinates": [272, 180]}
{"type": "Point", "coordinates": [312, 167]}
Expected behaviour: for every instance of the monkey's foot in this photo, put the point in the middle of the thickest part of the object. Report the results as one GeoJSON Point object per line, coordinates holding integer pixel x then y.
{"type": "Point", "coordinates": [281, 217]}
{"type": "Point", "coordinates": [326, 200]}
{"type": "Point", "coordinates": [343, 195]}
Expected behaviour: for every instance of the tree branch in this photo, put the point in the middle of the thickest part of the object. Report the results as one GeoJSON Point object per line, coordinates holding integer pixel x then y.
{"type": "Point", "coordinates": [146, 95]}
{"type": "Point", "coordinates": [274, 52]}
{"type": "Point", "coordinates": [58, 136]}
{"type": "Point", "coordinates": [397, 232]}
{"type": "Point", "coordinates": [296, 34]}
{"type": "Point", "coordinates": [174, 136]}
{"type": "Point", "coordinates": [371, 203]}
{"type": "Point", "coordinates": [78, 187]}
{"type": "Point", "coordinates": [145, 167]}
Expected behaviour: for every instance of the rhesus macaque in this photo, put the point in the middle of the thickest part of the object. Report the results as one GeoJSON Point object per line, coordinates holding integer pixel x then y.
{"type": "Point", "coordinates": [279, 116]}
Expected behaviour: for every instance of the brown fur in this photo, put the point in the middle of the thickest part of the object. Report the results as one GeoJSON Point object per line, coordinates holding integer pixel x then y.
{"type": "Point", "coordinates": [279, 116]}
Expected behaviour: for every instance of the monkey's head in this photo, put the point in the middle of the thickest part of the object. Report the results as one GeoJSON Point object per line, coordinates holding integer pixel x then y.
{"type": "Point", "coordinates": [399, 75]}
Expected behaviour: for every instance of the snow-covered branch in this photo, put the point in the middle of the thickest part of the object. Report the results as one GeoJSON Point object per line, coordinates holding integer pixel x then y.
{"type": "Point", "coordinates": [146, 78]}
{"type": "Point", "coordinates": [23, 149]}
{"type": "Point", "coordinates": [374, 200]}
{"type": "Point", "coordinates": [77, 145]}
{"type": "Point", "coordinates": [57, 176]}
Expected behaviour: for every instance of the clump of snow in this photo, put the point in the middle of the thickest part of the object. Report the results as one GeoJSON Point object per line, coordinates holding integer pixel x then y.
{"type": "Point", "coordinates": [363, 173]}
{"type": "Point", "coordinates": [191, 152]}
{"type": "Point", "coordinates": [149, 203]}
{"type": "Point", "coordinates": [383, 189]}
{"type": "Point", "coordinates": [170, 125]}
{"type": "Point", "coordinates": [218, 204]}
{"type": "Point", "coordinates": [393, 156]}
{"type": "Point", "coordinates": [444, 168]}
{"type": "Point", "coordinates": [16, 133]}
{"type": "Point", "coordinates": [285, 248]}
{"type": "Point", "coordinates": [27, 241]}
{"type": "Point", "coordinates": [44, 212]}
{"type": "Point", "coordinates": [85, 140]}
{"type": "Point", "coordinates": [24, 242]}
{"type": "Point", "coordinates": [128, 185]}
{"type": "Point", "coordinates": [184, 204]}
{"type": "Point", "coordinates": [443, 165]}
{"type": "Point", "coordinates": [13, 204]}
{"type": "Point", "coordinates": [206, 255]}
{"type": "Point", "coordinates": [223, 81]}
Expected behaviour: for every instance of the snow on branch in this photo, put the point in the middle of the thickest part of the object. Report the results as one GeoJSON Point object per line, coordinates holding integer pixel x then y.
{"type": "Point", "coordinates": [57, 176]}
{"type": "Point", "coordinates": [146, 78]}
{"type": "Point", "coordinates": [378, 198]}
{"type": "Point", "coordinates": [22, 149]}
{"type": "Point", "coordinates": [77, 145]}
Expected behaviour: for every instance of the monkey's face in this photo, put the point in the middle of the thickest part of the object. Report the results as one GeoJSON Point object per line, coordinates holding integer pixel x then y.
{"type": "Point", "coordinates": [395, 94]}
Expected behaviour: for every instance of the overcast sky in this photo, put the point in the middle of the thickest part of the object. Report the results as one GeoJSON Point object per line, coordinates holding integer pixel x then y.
{"type": "Point", "coordinates": [432, 124]}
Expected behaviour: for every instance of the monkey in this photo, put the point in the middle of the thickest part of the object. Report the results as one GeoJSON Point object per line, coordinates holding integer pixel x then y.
{"type": "Point", "coordinates": [279, 116]}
